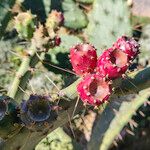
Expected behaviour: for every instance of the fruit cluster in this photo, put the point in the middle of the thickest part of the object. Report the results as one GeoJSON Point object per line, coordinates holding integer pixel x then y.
{"type": "Point", "coordinates": [98, 73]}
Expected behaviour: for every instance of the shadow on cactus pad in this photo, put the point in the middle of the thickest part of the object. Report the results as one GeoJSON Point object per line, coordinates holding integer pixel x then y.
{"type": "Point", "coordinates": [61, 61]}
{"type": "Point", "coordinates": [59, 56]}
{"type": "Point", "coordinates": [40, 8]}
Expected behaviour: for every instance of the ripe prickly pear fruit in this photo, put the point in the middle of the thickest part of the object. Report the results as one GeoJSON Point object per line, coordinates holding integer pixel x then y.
{"type": "Point", "coordinates": [83, 58]}
{"type": "Point", "coordinates": [94, 89]}
{"type": "Point", "coordinates": [113, 63]}
{"type": "Point", "coordinates": [128, 45]}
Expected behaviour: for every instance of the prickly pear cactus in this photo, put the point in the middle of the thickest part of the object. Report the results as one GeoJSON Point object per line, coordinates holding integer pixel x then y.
{"type": "Point", "coordinates": [107, 21]}
{"type": "Point", "coordinates": [36, 104]}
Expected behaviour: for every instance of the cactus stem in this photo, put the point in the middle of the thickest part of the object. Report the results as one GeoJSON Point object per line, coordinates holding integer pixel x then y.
{"type": "Point", "coordinates": [23, 75]}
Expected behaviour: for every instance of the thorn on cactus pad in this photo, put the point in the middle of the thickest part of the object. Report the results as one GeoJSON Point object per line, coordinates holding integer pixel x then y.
{"type": "Point", "coordinates": [133, 123]}
{"type": "Point", "coordinates": [97, 90]}
{"type": "Point", "coordinates": [120, 137]}
{"type": "Point", "coordinates": [115, 143]}
{"type": "Point", "coordinates": [115, 111]}
{"type": "Point", "coordinates": [131, 126]}
{"type": "Point", "coordinates": [130, 132]}
{"type": "Point", "coordinates": [141, 113]}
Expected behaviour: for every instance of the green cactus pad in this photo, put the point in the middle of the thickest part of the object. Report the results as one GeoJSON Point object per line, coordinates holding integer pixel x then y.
{"type": "Point", "coordinates": [74, 17]}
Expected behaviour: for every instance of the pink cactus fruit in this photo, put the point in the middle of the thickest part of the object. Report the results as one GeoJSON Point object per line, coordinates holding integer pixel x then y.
{"type": "Point", "coordinates": [83, 58]}
{"type": "Point", "coordinates": [94, 89]}
{"type": "Point", "coordinates": [128, 45]}
{"type": "Point", "coordinates": [112, 63]}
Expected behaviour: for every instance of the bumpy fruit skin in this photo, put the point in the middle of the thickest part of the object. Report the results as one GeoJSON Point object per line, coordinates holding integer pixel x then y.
{"type": "Point", "coordinates": [94, 89]}
{"type": "Point", "coordinates": [83, 58]}
{"type": "Point", "coordinates": [112, 63]}
{"type": "Point", "coordinates": [128, 45]}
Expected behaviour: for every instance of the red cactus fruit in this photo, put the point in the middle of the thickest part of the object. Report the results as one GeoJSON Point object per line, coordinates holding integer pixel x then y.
{"type": "Point", "coordinates": [128, 45]}
{"type": "Point", "coordinates": [112, 63]}
{"type": "Point", "coordinates": [94, 89]}
{"type": "Point", "coordinates": [83, 58]}
{"type": "Point", "coordinates": [57, 40]}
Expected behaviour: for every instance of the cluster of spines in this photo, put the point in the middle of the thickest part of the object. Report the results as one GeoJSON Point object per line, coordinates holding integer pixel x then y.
{"type": "Point", "coordinates": [112, 64]}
